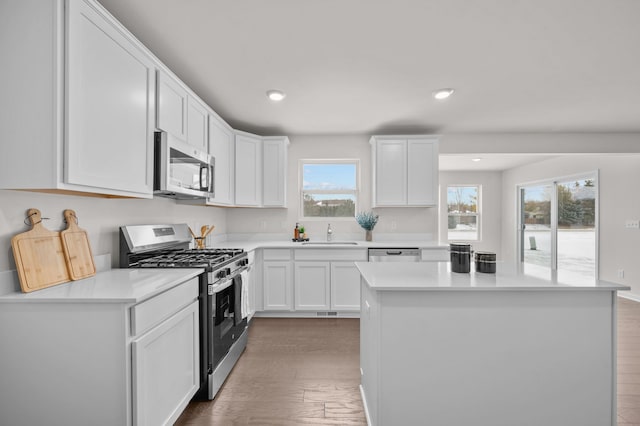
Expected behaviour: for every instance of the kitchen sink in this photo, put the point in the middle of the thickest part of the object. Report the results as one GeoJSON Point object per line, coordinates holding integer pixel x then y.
{"type": "Point", "coordinates": [330, 243]}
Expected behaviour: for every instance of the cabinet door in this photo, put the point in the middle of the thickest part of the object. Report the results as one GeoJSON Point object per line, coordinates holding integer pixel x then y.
{"type": "Point", "coordinates": [312, 286]}
{"type": "Point", "coordinates": [172, 106]}
{"type": "Point", "coordinates": [248, 171]}
{"type": "Point", "coordinates": [391, 173]}
{"type": "Point", "coordinates": [274, 163]}
{"type": "Point", "coordinates": [110, 87]}
{"type": "Point", "coordinates": [166, 368]}
{"type": "Point", "coordinates": [345, 286]}
{"type": "Point", "coordinates": [197, 117]}
{"type": "Point", "coordinates": [277, 288]}
{"type": "Point", "coordinates": [221, 147]}
{"type": "Point", "coordinates": [422, 172]}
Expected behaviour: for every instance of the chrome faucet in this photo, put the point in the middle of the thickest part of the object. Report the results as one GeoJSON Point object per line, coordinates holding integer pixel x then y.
{"type": "Point", "coordinates": [329, 233]}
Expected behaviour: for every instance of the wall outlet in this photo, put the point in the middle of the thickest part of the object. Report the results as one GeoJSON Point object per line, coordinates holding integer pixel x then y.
{"type": "Point", "coordinates": [620, 273]}
{"type": "Point", "coordinates": [632, 224]}
{"type": "Point", "coordinates": [394, 225]}
{"type": "Point", "coordinates": [263, 225]}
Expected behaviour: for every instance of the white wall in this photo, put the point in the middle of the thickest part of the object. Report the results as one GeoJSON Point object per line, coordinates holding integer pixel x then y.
{"type": "Point", "coordinates": [560, 143]}
{"type": "Point", "coordinates": [619, 201]}
{"type": "Point", "coordinates": [490, 207]}
{"type": "Point", "coordinates": [100, 217]}
{"type": "Point", "coordinates": [282, 221]}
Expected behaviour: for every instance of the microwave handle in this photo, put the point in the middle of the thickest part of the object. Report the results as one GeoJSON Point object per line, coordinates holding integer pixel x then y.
{"type": "Point", "coordinates": [205, 169]}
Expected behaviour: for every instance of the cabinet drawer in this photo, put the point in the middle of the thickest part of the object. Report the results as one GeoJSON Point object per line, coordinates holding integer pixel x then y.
{"type": "Point", "coordinates": [153, 311]}
{"type": "Point", "coordinates": [276, 254]}
{"type": "Point", "coordinates": [331, 254]}
{"type": "Point", "coordinates": [435, 255]}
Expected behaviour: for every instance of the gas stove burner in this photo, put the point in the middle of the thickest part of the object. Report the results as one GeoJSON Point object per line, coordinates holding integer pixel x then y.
{"type": "Point", "coordinates": [186, 258]}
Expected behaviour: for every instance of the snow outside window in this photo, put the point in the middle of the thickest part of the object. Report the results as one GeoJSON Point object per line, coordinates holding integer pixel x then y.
{"type": "Point", "coordinates": [463, 212]}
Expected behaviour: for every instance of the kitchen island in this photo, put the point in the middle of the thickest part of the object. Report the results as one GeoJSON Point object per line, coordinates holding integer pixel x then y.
{"type": "Point", "coordinates": [443, 348]}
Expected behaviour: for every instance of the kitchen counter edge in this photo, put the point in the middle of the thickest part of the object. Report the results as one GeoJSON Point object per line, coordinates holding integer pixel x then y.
{"type": "Point", "coordinates": [111, 286]}
{"type": "Point", "coordinates": [437, 276]}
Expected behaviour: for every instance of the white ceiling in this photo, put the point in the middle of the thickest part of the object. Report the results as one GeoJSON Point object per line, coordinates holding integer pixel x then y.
{"type": "Point", "coordinates": [488, 162]}
{"type": "Point", "coordinates": [370, 66]}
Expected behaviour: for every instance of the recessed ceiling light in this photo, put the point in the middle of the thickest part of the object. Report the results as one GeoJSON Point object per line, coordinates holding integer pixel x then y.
{"type": "Point", "coordinates": [442, 94]}
{"type": "Point", "coordinates": [476, 159]}
{"type": "Point", "coordinates": [276, 95]}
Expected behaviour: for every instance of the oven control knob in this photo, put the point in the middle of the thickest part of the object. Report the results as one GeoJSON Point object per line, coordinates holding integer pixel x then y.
{"type": "Point", "coordinates": [222, 273]}
{"type": "Point", "coordinates": [227, 271]}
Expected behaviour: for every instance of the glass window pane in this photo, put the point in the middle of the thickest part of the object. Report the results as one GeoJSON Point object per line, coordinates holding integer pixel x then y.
{"type": "Point", "coordinates": [536, 233]}
{"type": "Point", "coordinates": [329, 205]}
{"type": "Point", "coordinates": [462, 227]}
{"type": "Point", "coordinates": [329, 176]}
{"type": "Point", "coordinates": [576, 226]}
{"type": "Point", "coordinates": [462, 199]}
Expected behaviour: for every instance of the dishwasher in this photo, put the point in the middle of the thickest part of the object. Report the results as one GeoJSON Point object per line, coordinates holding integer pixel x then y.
{"type": "Point", "coordinates": [394, 255]}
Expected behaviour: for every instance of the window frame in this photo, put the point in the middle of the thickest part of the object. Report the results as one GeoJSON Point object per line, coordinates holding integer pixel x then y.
{"type": "Point", "coordinates": [302, 191]}
{"type": "Point", "coordinates": [477, 214]}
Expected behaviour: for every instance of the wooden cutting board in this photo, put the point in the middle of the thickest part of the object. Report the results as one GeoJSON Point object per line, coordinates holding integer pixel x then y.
{"type": "Point", "coordinates": [39, 256]}
{"type": "Point", "coordinates": [77, 250]}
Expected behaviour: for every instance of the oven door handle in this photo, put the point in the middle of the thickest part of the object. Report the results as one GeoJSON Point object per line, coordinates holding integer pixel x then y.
{"type": "Point", "coordinates": [218, 288]}
{"type": "Point", "coordinates": [225, 284]}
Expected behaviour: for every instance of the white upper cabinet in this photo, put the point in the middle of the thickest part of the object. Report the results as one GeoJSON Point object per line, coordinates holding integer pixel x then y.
{"type": "Point", "coordinates": [197, 124]}
{"type": "Point", "coordinates": [405, 171]}
{"type": "Point", "coordinates": [274, 170]}
{"type": "Point", "coordinates": [172, 106]}
{"type": "Point", "coordinates": [181, 113]}
{"type": "Point", "coordinates": [221, 147]}
{"type": "Point", "coordinates": [422, 172]}
{"type": "Point", "coordinates": [248, 173]}
{"type": "Point", "coordinates": [390, 173]}
{"type": "Point", "coordinates": [86, 87]}
{"type": "Point", "coordinates": [260, 170]}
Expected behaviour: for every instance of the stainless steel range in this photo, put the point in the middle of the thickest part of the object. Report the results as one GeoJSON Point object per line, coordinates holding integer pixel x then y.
{"type": "Point", "coordinates": [223, 307]}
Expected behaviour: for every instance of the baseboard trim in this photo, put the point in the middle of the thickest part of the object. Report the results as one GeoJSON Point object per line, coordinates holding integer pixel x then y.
{"type": "Point", "coordinates": [629, 296]}
{"type": "Point", "coordinates": [310, 314]}
{"type": "Point", "coordinates": [366, 407]}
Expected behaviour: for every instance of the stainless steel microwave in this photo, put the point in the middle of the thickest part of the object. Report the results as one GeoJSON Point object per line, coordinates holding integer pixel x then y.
{"type": "Point", "coordinates": [181, 171]}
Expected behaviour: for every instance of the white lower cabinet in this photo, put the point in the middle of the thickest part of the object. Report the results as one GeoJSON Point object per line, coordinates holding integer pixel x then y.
{"type": "Point", "coordinates": [277, 286]}
{"type": "Point", "coordinates": [165, 368]}
{"type": "Point", "coordinates": [87, 356]}
{"type": "Point", "coordinates": [345, 286]}
{"type": "Point", "coordinates": [324, 286]}
{"type": "Point", "coordinates": [309, 279]}
{"type": "Point", "coordinates": [312, 281]}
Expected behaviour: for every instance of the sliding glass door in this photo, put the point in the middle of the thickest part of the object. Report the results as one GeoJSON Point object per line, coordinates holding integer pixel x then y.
{"type": "Point", "coordinates": [558, 222]}
{"type": "Point", "coordinates": [537, 247]}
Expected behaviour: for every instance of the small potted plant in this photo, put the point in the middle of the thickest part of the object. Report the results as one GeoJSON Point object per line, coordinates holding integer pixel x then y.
{"type": "Point", "coordinates": [367, 220]}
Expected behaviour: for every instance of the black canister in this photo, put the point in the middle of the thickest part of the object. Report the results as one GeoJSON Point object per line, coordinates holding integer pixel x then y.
{"type": "Point", "coordinates": [485, 262]}
{"type": "Point", "coordinates": [460, 257]}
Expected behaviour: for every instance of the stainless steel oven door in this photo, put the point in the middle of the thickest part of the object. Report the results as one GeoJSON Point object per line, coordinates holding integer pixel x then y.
{"type": "Point", "coordinates": [225, 322]}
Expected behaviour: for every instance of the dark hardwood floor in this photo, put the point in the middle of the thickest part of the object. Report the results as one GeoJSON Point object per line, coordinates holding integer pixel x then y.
{"type": "Point", "coordinates": [306, 372]}
{"type": "Point", "coordinates": [293, 372]}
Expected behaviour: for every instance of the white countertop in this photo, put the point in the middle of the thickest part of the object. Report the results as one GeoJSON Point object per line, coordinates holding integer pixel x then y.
{"type": "Point", "coordinates": [437, 276]}
{"type": "Point", "coordinates": [253, 245]}
{"type": "Point", "coordinates": [111, 286]}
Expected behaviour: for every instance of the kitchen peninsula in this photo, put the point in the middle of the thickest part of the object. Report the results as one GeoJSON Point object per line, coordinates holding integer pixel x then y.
{"type": "Point", "coordinates": [509, 348]}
